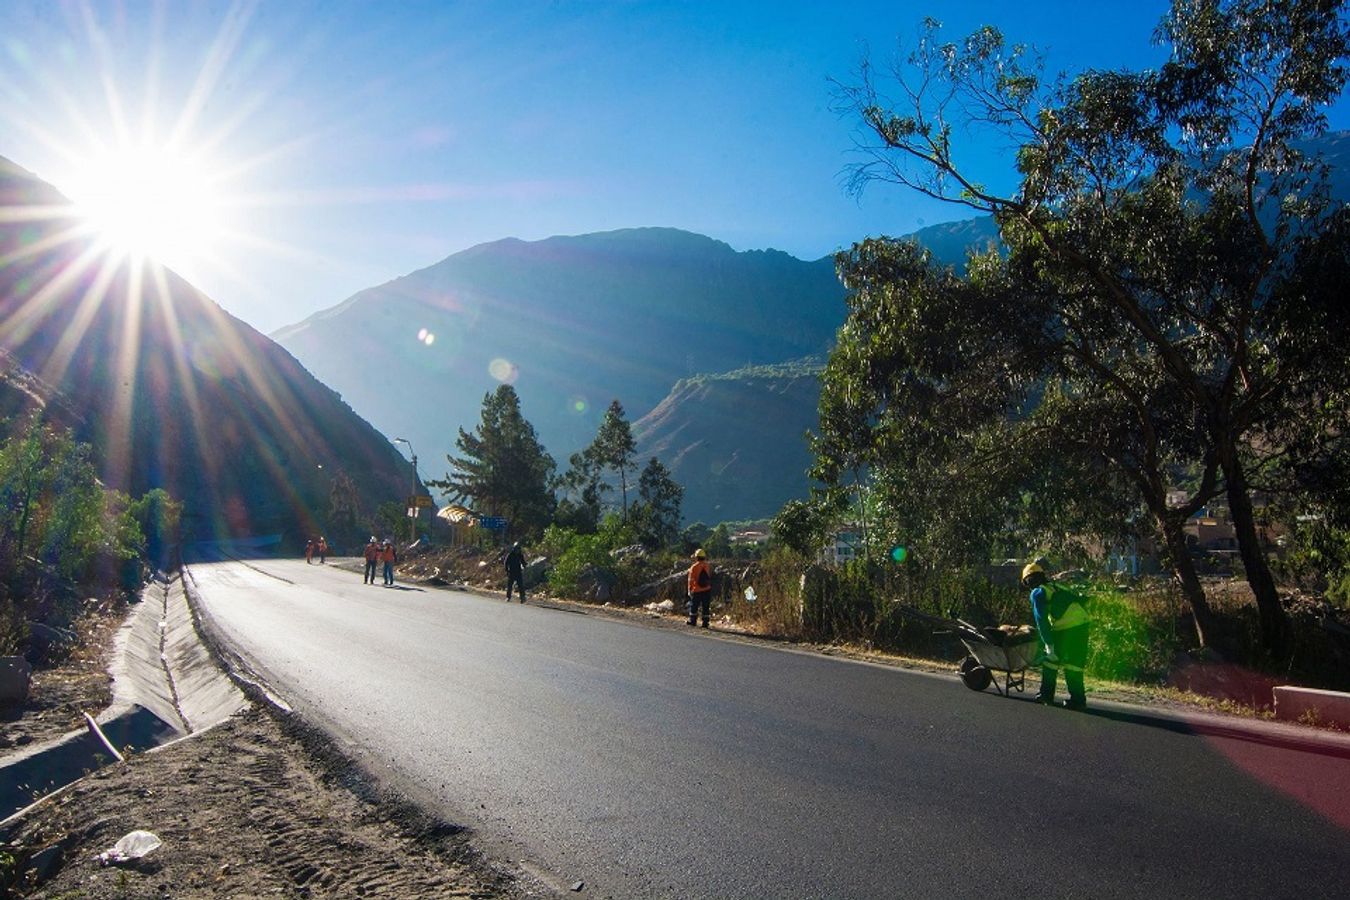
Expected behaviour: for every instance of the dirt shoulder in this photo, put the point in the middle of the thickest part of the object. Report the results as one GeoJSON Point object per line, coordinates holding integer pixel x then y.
{"type": "Point", "coordinates": [254, 807]}
{"type": "Point", "coordinates": [261, 805]}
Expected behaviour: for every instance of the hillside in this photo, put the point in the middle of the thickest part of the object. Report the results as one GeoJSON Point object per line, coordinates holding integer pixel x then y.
{"type": "Point", "coordinates": [573, 322]}
{"type": "Point", "coordinates": [170, 390]}
{"type": "Point", "coordinates": [736, 440]}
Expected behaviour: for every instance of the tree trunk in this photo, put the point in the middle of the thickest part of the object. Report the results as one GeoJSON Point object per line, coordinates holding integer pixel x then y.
{"type": "Point", "coordinates": [1183, 569]}
{"type": "Point", "coordinates": [1275, 634]}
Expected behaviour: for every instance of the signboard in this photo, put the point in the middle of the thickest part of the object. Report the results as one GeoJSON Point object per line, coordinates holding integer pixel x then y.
{"type": "Point", "coordinates": [495, 523]}
{"type": "Point", "coordinates": [421, 501]}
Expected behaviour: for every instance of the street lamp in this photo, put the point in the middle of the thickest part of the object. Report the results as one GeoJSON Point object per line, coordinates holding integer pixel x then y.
{"type": "Point", "coordinates": [412, 495]}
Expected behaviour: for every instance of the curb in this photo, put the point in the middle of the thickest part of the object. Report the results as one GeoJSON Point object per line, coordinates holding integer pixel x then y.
{"type": "Point", "coordinates": [166, 686]}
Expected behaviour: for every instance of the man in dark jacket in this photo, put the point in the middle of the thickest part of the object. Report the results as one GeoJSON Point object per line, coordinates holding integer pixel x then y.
{"type": "Point", "coordinates": [515, 571]}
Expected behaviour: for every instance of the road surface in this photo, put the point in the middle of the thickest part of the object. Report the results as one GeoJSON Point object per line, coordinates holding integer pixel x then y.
{"type": "Point", "coordinates": [652, 762]}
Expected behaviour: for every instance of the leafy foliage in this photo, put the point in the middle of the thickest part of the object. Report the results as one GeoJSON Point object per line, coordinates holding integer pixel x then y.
{"type": "Point", "coordinates": [614, 447]}
{"type": "Point", "coordinates": [656, 516]}
{"type": "Point", "coordinates": [59, 528]}
{"type": "Point", "coordinates": [1167, 247]}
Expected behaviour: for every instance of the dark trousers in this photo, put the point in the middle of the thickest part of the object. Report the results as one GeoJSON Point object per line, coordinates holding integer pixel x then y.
{"type": "Point", "coordinates": [1071, 647]}
{"type": "Point", "coordinates": [518, 580]}
{"type": "Point", "coordinates": [370, 571]}
{"type": "Point", "coordinates": [699, 600]}
{"type": "Point", "coordinates": [388, 573]}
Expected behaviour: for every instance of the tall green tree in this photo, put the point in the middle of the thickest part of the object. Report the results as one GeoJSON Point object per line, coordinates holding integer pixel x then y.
{"type": "Point", "coordinates": [1159, 232]}
{"type": "Point", "coordinates": [656, 515]}
{"type": "Point", "coordinates": [503, 470]}
{"type": "Point", "coordinates": [614, 447]}
{"type": "Point", "coordinates": [583, 487]}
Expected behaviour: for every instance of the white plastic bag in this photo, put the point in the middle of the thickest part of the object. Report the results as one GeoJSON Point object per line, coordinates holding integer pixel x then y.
{"type": "Point", "coordinates": [130, 847]}
{"type": "Point", "coordinates": [750, 595]}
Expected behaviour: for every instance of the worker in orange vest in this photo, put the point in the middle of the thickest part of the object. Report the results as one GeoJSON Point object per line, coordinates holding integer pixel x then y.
{"type": "Point", "coordinates": [700, 587]}
{"type": "Point", "coordinates": [372, 557]}
{"type": "Point", "coordinates": [388, 557]}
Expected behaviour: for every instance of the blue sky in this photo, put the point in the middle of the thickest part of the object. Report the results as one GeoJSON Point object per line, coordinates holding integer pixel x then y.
{"type": "Point", "coordinates": [355, 142]}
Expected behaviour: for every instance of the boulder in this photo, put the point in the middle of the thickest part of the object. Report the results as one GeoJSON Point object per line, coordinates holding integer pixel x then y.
{"type": "Point", "coordinates": [46, 642]}
{"type": "Point", "coordinates": [15, 673]}
{"type": "Point", "coordinates": [536, 570]}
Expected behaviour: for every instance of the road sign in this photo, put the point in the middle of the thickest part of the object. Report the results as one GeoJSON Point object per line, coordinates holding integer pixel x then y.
{"type": "Point", "coordinates": [494, 523]}
{"type": "Point", "coordinates": [421, 501]}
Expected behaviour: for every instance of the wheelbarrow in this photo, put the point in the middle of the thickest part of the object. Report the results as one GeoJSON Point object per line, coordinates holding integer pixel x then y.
{"type": "Point", "coordinates": [992, 652]}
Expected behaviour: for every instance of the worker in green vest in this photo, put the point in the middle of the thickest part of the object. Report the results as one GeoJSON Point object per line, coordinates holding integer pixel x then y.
{"type": "Point", "coordinates": [1062, 622]}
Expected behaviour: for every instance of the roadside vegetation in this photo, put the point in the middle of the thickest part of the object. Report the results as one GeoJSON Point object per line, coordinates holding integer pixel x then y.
{"type": "Point", "coordinates": [70, 549]}
{"type": "Point", "coordinates": [1158, 332]}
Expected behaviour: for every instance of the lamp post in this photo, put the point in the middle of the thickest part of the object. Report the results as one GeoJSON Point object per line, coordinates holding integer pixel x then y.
{"type": "Point", "coordinates": [412, 495]}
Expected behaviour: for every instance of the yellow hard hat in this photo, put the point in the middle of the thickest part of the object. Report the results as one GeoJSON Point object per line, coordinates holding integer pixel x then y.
{"type": "Point", "coordinates": [700, 554]}
{"type": "Point", "coordinates": [1031, 568]}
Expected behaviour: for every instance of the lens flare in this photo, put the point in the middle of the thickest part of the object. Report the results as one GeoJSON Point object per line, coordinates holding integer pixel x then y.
{"type": "Point", "coordinates": [577, 405]}
{"type": "Point", "coordinates": [899, 554]}
{"type": "Point", "coordinates": [503, 370]}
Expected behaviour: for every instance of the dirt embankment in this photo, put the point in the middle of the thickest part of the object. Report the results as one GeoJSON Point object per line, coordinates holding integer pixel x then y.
{"type": "Point", "coordinates": [259, 806]}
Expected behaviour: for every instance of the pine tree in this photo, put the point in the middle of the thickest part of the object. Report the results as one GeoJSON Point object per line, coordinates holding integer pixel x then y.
{"type": "Point", "coordinates": [503, 470]}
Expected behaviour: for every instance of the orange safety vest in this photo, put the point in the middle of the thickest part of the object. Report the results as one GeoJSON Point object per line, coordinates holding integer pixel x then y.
{"type": "Point", "coordinates": [387, 554]}
{"type": "Point", "coordinates": [372, 552]}
{"type": "Point", "coordinates": [700, 579]}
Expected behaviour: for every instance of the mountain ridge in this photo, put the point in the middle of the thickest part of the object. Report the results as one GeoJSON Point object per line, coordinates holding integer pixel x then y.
{"type": "Point", "coordinates": [171, 390]}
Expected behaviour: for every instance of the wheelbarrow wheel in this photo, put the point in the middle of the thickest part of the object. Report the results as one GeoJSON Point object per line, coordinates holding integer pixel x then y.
{"type": "Point", "coordinates": [973, 675]}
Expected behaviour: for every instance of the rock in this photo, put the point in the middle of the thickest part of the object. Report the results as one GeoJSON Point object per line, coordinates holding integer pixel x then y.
{"type": "Point", "coordinates": [44, 864]}
{"type": "Point", "coordinates": [578, 885]}
{"type": "Point", "coordinates": [15, 673]}
{"type": "Point", "coordinates": [46, 642]}
{"type": "Point", "coordinates": [535, 571]}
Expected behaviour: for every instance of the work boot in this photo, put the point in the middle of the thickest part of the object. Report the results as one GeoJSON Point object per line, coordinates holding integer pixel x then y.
{"type": "Point", "coordinates": [1075, 703]}
{"type": "Point", "coordinates": [1045, 699]}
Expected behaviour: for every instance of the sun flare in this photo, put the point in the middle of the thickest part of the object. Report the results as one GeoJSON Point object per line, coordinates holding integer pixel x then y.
{"type": "Point", "coordinates": [152, 203]}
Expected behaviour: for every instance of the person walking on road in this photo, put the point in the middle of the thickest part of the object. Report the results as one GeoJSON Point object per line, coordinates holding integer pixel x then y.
{"type": "Point", "coordinates": [388, 557]}
{"type": "Point", "coordinates": [1063, 625]}
{"type": "Point", "coordinates": [309, 551]}
{"type": "Point", "coordinates": [323, 549]}
{"type": "Point", "coordinates": [515, 571]}
{"type": "Point", "coordinates": [372, 559]}
{"type": "Point", "coordinates": [700, 587]}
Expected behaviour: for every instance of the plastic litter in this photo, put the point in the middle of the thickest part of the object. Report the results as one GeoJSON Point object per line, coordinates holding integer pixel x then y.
{"type": "Point", "coordinates": [663, 606]}
{"type": "Point", "coordinates": [130, 847]}
{"type": "Point", "coordinates": [750, 595]}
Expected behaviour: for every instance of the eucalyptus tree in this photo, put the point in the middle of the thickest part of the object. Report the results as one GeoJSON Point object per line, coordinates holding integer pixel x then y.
{"type": "Point", "coordinates": [1158, 232]}
{"type": "Point", "coordinates": [657, 512]}
{"type": "Point", "coordinates": [614, 447]}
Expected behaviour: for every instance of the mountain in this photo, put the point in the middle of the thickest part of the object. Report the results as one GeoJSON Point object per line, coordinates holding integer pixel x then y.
{"type": "Point", "coordinates": [735, 440]}
{"type": "Point", "coordinates": [573, 322]}
{"type": "Point", "coordinates": [170, 390]}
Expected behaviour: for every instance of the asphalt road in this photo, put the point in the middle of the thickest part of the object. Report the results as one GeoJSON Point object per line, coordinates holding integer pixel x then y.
{"type": "Point", "coordinates": [652, 762]}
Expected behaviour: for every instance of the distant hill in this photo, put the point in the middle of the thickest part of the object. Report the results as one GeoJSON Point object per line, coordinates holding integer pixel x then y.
{"type": "Point", "coordinates": [735, 440]}
{"type": "Point", "coordinates": [575, 322]}
{"type": "Point", "coordinates": [170, 390]}
{"type": "Point", "coordinates": [581, 320]}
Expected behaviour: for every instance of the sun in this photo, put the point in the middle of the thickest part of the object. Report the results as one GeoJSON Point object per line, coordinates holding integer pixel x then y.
{"type": "Point", "coordinates": [154, 203]}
